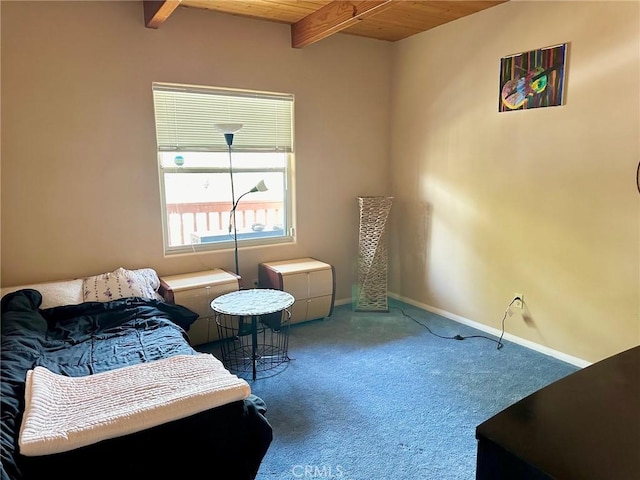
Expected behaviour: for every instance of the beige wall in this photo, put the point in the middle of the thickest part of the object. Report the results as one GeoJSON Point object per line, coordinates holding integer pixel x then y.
{"type": "Point", "coordinates": [80, 188]}
{"type": "Point", "coordinates": [540, 202]}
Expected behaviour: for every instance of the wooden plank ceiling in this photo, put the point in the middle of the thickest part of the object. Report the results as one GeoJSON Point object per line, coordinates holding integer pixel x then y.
{"type": "Point", "coordinates": [313, 20]}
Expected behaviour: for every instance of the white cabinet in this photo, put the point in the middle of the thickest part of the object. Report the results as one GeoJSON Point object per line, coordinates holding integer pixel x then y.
{"type": "Point", "coordinates": [310, 281]}
{"type": "Point", "coordinates": [196, 291]}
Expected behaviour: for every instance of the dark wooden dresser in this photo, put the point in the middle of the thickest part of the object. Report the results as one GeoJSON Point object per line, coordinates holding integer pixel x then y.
{"type": "Point", "coordinates": [585, 426]}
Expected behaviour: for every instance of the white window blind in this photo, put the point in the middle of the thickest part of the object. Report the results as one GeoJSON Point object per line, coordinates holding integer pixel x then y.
{"type": "Point", "coordinates": [185, 119]}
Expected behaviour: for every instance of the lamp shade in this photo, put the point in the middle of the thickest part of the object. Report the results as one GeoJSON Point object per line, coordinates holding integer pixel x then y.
{"type": "Point", "coordinates": [227, 127]}
{"type": "Point", "coordinates": [260, 187]}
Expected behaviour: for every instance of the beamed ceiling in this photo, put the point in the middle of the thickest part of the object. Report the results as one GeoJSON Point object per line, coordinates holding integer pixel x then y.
{"type": "Point", "coordinates": [311, 21]}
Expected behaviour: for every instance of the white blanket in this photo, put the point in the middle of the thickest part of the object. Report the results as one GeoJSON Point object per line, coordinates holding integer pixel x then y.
{"type": "Point", "coordinates": [64, 413]}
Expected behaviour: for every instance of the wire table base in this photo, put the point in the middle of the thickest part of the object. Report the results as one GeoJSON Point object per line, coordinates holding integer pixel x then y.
{"type": "Point", "coordinates": [240, 354]}
{"type": "Point", "coordinates": [253, 327]}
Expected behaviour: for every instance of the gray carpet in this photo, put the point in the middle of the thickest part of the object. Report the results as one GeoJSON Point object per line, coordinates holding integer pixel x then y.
{"type": "Point", "coordinates": [376, 396]}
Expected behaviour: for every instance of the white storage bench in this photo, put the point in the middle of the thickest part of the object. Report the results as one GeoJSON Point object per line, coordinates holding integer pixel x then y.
{"type": "Point", "coordinates": [195, 291]}
{"type": "Point", "coordinates": [310, 281]}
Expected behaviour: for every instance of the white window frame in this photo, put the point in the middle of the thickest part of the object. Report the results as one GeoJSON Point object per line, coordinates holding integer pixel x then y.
{"type": "Point", "coordinates": [203, 137]}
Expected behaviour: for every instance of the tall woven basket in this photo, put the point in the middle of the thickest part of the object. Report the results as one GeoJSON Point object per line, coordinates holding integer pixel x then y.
{"type": "Point", "coordinates": [371, 295]}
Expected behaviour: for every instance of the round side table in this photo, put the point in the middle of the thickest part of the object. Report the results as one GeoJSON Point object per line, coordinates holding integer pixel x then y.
{"type": "Point", "coordinates": [264, 309]}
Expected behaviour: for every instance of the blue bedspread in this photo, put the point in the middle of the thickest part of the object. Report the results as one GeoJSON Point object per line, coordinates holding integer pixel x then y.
{"type": "Point", "coordinates": [92, 337]}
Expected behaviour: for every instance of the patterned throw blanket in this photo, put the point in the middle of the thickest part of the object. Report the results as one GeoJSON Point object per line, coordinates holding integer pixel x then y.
{"type": "Point", "coordinates": [64, 413]}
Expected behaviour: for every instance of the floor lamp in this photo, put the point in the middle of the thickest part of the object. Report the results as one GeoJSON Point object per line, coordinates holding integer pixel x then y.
{"type": "Point", "coordinates": [229, 129]}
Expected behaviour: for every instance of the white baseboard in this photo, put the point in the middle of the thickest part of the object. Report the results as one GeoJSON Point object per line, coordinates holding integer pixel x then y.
{"type": "Point", "coordinates": [578, 362]}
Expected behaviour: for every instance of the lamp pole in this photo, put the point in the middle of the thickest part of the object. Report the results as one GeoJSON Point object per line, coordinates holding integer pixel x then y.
{"type": "Point", "coordinates": [260, 187]}
{"type": "Point", "coordinates": [229, 138]}
{"type": "Point", "coordinates": [228, 129]}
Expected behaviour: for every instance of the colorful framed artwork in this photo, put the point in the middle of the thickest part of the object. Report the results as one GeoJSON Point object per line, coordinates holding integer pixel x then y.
{"type": "Point", "coordinates": [532, 79]}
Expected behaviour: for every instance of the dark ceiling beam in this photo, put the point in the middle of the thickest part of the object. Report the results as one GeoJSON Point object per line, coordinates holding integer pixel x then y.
{"type": "Point", "coordinates": [156, 12]}
{"type": "Point", "coordinates": [332, 18]}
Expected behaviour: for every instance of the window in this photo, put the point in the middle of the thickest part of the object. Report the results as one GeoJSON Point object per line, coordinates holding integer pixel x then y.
{"type": "Point", "coordinates": [197, 167]}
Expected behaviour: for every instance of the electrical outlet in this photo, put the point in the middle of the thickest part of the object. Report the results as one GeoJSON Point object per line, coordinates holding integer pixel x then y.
{"type": "Point", "coordinates": [518, 301]}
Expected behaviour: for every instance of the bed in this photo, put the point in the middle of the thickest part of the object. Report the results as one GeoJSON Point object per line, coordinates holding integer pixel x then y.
{"type": "Point", "coordinates": [115, 323]}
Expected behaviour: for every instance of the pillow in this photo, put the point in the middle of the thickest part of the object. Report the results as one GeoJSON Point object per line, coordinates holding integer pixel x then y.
{"type": "Point", "coordinates": [151, 278]}
{"type": "Point", "coordinates": [121, 283]}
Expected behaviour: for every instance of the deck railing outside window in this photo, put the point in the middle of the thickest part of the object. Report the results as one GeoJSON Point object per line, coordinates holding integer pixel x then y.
{"type": "Point", "coordinates": [213, 218]}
